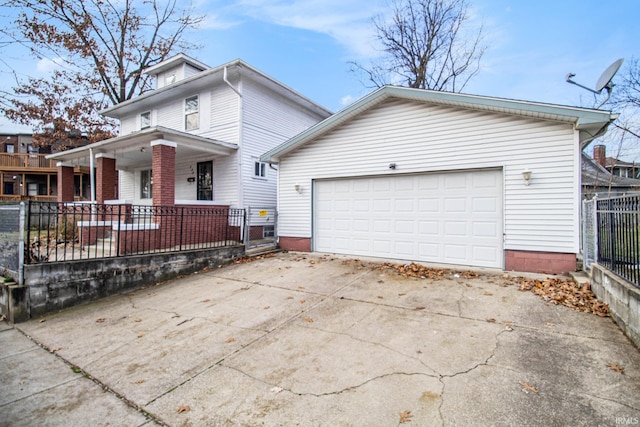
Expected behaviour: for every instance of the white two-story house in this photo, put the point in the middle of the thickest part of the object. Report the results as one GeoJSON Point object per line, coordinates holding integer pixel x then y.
{"type": "Point", "coordinates": [195, 139]}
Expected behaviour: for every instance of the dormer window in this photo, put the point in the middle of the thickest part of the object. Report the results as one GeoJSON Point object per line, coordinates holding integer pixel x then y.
{"type": "Point", "coordinates": [169, 79]}
{"type": "Point", "coordinates": [145, 120]}
{"type": "Point", "coordinates": [191, 115]}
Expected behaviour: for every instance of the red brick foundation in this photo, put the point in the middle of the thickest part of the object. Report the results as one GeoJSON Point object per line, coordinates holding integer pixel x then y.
{"type": "Point", "coordinates": [540, 262]}
{"type": "Point", "coordinates": [302, 244]}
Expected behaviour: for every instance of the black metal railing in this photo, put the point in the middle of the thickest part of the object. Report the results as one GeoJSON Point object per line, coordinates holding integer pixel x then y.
{"type": "Point", "coordinates": [618, 222]}
{"type": "Point", "coordinates": [75, 231]}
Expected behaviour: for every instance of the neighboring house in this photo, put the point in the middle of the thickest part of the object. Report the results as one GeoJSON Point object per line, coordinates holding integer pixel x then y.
{"type": "Point", "coordinates": [439, 177]}
{"type": "Point", "coordinates": [596, 180]}
{"type": "Point", "coordinates": [196, 139]}
{"type": "Point", "coordinates": [615, 166]}
{"type": "Point", "coordinates": [25, 172]}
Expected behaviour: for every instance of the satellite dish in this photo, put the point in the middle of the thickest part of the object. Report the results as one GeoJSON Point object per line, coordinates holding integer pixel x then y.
{"type": "Point", "coordinates": [604, 82]}
{"type": "Point", "coordinates": [605, 79]}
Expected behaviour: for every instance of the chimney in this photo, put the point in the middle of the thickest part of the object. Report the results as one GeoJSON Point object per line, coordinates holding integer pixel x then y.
{"type": "Point", "coordinates": [600, 155]}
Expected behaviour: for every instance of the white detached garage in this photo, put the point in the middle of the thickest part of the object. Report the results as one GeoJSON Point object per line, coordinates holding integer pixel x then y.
{"type": "Point", "coordinates": [439, 177]}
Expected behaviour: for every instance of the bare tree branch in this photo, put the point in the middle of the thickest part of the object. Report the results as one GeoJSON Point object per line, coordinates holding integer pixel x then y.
{"type": "Point", "coordinates": [424, 46]}
{"type": "Point", "coordinates": [106, 45]}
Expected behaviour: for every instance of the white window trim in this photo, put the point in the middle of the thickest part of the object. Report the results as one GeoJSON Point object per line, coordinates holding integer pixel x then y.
{"type": "Point", "coordinates": [197, 112]}
{"type": "Point", "coordinates": [263, 167]}
{"type": "Point", "coordinates": [141, 124]}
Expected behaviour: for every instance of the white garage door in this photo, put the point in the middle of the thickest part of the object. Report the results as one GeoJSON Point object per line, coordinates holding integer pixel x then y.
{"type": "Point", "coordinates": [453, 218]}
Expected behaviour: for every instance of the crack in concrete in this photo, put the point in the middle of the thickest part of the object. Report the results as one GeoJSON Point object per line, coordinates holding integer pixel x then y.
{"type": "Point", "coordinates": [329, 393]}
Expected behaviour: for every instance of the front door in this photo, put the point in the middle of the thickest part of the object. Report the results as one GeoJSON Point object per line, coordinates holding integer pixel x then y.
{"type": "Point", "coordinates": [205, 180]}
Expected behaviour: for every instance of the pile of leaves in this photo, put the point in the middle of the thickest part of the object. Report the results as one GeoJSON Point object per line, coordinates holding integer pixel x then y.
{"type": "Point", "coordinates": [422, 272]}
{"type": "Point", "coordinates": [564, 292]}
{"type": "Point", "coordinates": [248, 259]}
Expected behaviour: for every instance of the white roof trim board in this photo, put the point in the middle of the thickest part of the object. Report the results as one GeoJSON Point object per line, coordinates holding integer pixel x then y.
{"type": "Point", "coordinates": [591, 121]}
{"type": "Point", "coordinates": [145, 136]}
{"type": "Point", "coordinates": [203, 80]}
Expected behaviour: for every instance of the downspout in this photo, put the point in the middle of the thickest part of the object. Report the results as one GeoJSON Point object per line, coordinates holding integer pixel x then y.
{"type": "Point", "coordinates": [92, 177]}
{"type": "Point", "coordinates": [239, 151]}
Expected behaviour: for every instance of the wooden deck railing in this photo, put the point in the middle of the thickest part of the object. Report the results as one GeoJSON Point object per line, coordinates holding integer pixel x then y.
{"type": "Point", "coordinates": [25, 161]}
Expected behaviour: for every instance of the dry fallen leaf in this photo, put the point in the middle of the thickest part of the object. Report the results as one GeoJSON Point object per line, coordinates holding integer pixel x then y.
{"type": "Point", "coordinates": [491, 320]}
{"type": "Point", "coordinates": [100, 320]}
{"type": "Point", "coordinates": [205, 300]}
{"type": "Point", "coordinates": [138, 319]}
{"type": "Point", "coordinates": [42, 320]}
{"type": "Point", "coordinates": [616, 367]}
{"type": "Point", "coordinates": [230, 340]}
{"type": "Point", "coordinates": [308, 319]}
{"type": "Point", "coordinates": [302, 301]}
{"type": "Point", "coordinates": [54, 349]}
{"type": "Point", "coordinates": [487, 294]}
{"type": "Point", "coordinates": [405, 416]}
{"type": "Point", "coordinates": [528, 387]}
{"type": "Point", "coordinates": [380, 297]}
{"type": "Point", "coordinates": [401, 294]}
{"type": "Point", "coordinates": [182, 409]}
{"type": "Point", "coordinates": [549, 324]}
{"type": "Point", "coordinates": [141, 334]}
{"type": "Point", "coordinates": [140, 381]}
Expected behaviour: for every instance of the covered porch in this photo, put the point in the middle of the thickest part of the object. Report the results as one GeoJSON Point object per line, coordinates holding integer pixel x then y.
{"type": "Point", "coordinates": [144, 165]}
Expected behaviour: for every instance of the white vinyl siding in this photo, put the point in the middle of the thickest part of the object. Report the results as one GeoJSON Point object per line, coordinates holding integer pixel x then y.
{"type": "Point", "coordinates": [421, 137]}
{"type": "Point", "coordinates": [268, 120]}
{"type": "Point", "coordinates": [171, 115]}
{"type": "Point", "coordinates": [223, 116]}
{"type": "Point", "coordinates": [126, 182]}
{"type": "Point", "coordinates": [128, 125]}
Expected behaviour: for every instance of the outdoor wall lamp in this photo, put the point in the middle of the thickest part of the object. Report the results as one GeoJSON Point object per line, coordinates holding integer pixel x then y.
{"type": "Point", "coordinates": [526, 176]}
{"type": "Point", "coordinates": [298, 188]}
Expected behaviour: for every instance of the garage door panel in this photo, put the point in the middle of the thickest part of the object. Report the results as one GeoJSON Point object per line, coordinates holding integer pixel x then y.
{"type": "Point", "coordinates": [430, 228]}
{"type": "Point", "coordinates": [449, 217]}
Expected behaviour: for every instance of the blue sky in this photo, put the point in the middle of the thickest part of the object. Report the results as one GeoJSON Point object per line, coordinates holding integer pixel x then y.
{"type": "Point", "coordinates": [307, 44]}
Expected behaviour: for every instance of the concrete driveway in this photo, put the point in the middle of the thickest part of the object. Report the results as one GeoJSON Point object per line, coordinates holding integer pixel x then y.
{"type": "Point", "coordinates": [311, 340]}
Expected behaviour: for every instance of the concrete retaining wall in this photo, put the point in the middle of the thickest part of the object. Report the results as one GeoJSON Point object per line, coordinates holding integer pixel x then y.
{"type": "Point", "coordinates": [623, 300]}
{"type": "Point", "coordinates": [51, 287]}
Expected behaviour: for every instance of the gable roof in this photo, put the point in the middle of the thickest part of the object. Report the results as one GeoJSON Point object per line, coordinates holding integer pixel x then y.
{"type": "Point", "coordinates": [205, 79]}
{"type": "Point", "coordinates": [590, 122]}
{"type": "Point", "coordinates": [180, 58]}
{"type": "Point", "coordinates": [594, 175]}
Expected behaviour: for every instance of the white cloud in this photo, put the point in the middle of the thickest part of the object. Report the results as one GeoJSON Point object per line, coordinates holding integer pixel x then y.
{"type": "Point", "coordinates": [213, 21]}
{"type": "Point", "coordinates": [347, 100]}
{"type": "Point", "coordinates": [46, 65]}
{"type": "Point", "coordinates": [347, 22]}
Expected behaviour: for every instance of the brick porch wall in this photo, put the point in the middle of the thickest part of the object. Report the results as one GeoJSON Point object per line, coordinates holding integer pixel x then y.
{"type": "Point", "coordinates": [65, 184]}
{"type": "Point", "coordinates": [106, 179]}
{"type": "Point", "coordinates": [540, 262]}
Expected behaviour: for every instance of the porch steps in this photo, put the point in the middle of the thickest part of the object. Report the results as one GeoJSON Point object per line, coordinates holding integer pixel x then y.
{"type": "Point", "coordinates": [262, 250]}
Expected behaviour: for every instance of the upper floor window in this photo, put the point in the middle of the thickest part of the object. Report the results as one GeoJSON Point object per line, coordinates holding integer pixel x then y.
{"type": "Point", "coordinates": [259, 169]}
{"type": "Point", "coordinates": [169, 78]}
{"type": "Point", "coordinates": [145, 120]}
{"type": "Point", "coordinates": [9, 148]}
{"type": "Point", "coordinates": [191, 116]}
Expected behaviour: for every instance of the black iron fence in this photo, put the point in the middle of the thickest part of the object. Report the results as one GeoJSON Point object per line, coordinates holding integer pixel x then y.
{"type": "Point", "coordinates": [618, 236]}
{"type": "Point", "coordinates": [75, 231]}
